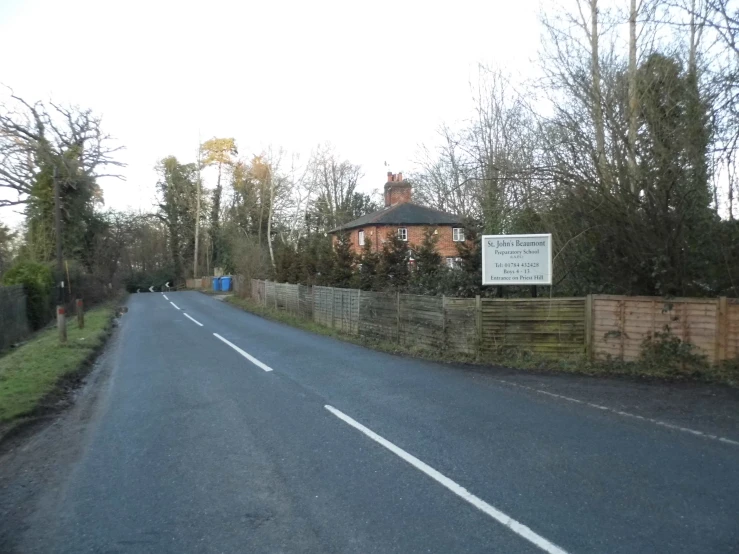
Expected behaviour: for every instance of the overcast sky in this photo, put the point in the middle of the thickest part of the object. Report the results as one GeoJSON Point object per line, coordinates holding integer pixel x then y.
{"type": "Point", "coordinates": [373, 78]}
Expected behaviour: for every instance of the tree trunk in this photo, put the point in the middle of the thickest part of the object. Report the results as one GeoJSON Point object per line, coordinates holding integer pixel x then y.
{"type": "Point", "coordinates": [633, 103]}
{"type": "Point", "coordinates": [197, 220]}
{"type": "Point", "coordinates": [600, 136]}
{"type": "Point", "coordinates": [269, 220]}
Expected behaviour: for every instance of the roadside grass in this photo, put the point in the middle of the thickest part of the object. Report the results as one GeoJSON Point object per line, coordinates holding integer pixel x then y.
{"type": "Point", "coordinates": [33, 371]}
{"type": "Point", "coordinates": [661, 370]}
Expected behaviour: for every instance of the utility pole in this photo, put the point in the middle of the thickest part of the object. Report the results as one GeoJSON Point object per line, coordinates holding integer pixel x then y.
{"type": "Point", "coordinates": [197, 216]}
{"type": "Point", "coordinates": [61, 315]}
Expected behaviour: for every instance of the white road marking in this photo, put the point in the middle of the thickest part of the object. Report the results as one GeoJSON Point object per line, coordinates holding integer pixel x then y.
{"type": "Point", "coordinates": [165, 296]}
{"type": "Point", "coordinates": [192, 319]}
{"type": "Point", "coordinates": [246, 355]}
{"type": "Point", "coordinates": [519, 528]}
{"type": "Point", "coordinates": [626, 414]}
{"type": "Point", "coordinates": [175, 305]}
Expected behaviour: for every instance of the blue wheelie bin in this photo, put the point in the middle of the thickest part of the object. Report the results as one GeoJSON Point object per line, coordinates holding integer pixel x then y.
{"type": "Point", "coordinates": [226, 283]}
{"type": "Point", "coordinates": [216, 284]}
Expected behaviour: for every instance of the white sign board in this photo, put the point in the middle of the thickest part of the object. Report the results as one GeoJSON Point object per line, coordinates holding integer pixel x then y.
{"type": "Point", "coordinates": [517, 259]}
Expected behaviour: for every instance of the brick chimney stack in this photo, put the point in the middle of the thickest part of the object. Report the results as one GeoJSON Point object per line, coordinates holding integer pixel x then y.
{"type": "Point", "coordinates": [397, 191]}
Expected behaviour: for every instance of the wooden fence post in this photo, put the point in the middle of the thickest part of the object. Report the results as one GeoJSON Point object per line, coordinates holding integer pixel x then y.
{"type": "Point", "coordinates": [397, 314]}
{"type": "Point", "coordinates": [722, 329]}
{"type": "Point", "coordinates": [80, 314]}
{"type": "Point", "coordinates": [478, 323]}
{"type": "Point", "coordinates": [622, 327]}
{"type": "Point", "coordinates": [589, 327]}
{"type": "Point", "coordinates": [333, 308]}
{"type": "Point", "coordinates": [443, 323]}
{"type": "Point", "coordinates": [61, 323]}
{"type": "Point", "coordinates": [359, 308]}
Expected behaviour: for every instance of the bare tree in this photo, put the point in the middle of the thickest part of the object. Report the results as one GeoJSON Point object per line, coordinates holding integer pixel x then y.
{"type": "Point", "coordinates": [34, 135]}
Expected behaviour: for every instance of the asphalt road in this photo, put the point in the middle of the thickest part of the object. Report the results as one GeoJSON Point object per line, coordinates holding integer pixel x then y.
{"type": "Point", "coordinates": [302, 443]}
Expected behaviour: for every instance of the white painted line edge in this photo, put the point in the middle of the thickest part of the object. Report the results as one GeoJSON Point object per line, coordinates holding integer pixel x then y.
{"type": "Point", "coordinates": [246, 355]}
{"type": "Point", "coordinates": [165, 296]}
{"type": "Point", "coordinates": [625, 414]}
{"type": "Point", "coordinates": [192, 319]}
{"type": "Point", "coordinates": [175, 305]}
{"type": "Point", "coordinates": [519, 528]}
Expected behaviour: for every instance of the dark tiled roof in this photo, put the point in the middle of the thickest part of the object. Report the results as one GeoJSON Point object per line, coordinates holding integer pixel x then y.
{"type": "Point", "coordinates": [406, 213]}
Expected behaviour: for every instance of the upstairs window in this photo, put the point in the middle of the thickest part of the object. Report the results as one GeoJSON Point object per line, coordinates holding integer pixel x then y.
{"type": "Point", "coordinates": [361, 238]}
{"type": "Point", "coordinates": [458, 234]}
{"type": "Point", "coordinates": [403, 233]}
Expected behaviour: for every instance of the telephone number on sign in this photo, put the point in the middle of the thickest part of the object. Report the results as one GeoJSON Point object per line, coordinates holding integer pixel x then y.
{"type": "Point", "coordinates": [521, 264]}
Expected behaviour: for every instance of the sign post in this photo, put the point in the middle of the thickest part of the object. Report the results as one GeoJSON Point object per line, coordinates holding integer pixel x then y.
{"type": "Point", "coordinates": [517, 259]}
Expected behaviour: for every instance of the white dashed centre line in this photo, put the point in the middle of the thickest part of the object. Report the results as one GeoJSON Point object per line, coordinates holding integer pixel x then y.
{"type": "Point", "coordinates": [519, 528]}
{"type": "Point", "coordinates": [246, 355]}
{"type": "Point", "coordinates": [192, 319]}
{"type": "Point", "coordinates": [175, 305]}
{"type": "Point", "coordinates": [165, 296]}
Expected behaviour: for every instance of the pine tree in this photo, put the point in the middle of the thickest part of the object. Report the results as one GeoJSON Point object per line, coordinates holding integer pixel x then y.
{"type": "Point", "coordinates": [343, 270]}
{"type": "Point", "coordinates": [426, 277]}
{"type": "Point", "coordinates": [394, 263]}
{"type": "Point", "coordinates": [370, 265]}
{"type": "Point", "coordinates": [325, 261]}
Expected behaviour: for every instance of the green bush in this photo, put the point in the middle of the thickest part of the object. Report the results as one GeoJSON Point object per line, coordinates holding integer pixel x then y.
{"type": "Point", "coordinates": [38, 282]}
{"type": "Point", "coordinates": [664, 351]}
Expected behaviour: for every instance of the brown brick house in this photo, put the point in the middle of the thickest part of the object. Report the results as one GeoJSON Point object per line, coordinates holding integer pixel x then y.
{"type": "Point", "coordinates": [409, 220]}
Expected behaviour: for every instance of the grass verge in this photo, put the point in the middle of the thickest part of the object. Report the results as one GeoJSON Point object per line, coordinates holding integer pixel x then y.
{"type": "Point", "coordinates": [727, 373]}
{"type": "Point", "coordinates": [30, 374]}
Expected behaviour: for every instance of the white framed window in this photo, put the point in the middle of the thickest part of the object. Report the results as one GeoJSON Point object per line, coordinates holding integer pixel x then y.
{"type": "Point", "coordinates": [454, 263]}
{"type": "Point", "coordinates": [403, 233]}
{"type": "Point", "coordinates": [458, 234]}
{"type": "Point", "coordinates": [361, 237]}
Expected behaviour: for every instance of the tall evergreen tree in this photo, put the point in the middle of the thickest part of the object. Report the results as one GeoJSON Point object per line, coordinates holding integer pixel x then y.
{"type": "Point", "coordinates": [370, 261]}
{"type": "Point", "coordinates": [343, 269]}
{"type": "Point", "coordinates": [394, 261]}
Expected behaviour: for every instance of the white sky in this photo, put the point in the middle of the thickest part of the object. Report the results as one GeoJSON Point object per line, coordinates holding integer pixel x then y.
{"type": "Point", "coordinates": [373, 78]}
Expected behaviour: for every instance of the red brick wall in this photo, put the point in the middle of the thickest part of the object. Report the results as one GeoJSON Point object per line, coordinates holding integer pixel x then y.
{"type": "Point", "coordinates": [397, 195]}
{"type": "Point", "coordinates": [446, 246]}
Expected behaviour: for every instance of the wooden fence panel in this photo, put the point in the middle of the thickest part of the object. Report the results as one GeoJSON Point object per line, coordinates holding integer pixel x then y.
{"type": "Point", "coordinates": [292, 301]}
{"type": "Point", "coordinates": [305, 302]}
{"type": "Point", "coordinates": [460, 325]}
{"type": "Point", "coordinates": [378, 315]}
{"type": "Point", "coordinates": [270, 296]}
{"type": "Point", "coordinates": [323, 306]}
{"type": "Point", "coordinates": [421, 321]}
{"type": "Point", "coordinates": [621, 324]}
{"type": "Point", "coordinates": [731, 332]}
{"type": "Point", "coordinates": [546, 326]}
{"type": "Point", "coordinates": [614, 326]}
{"type": "Point", "coordinates": [13, 317]}
{"type": "Point", "coordinates": [346, 310]}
